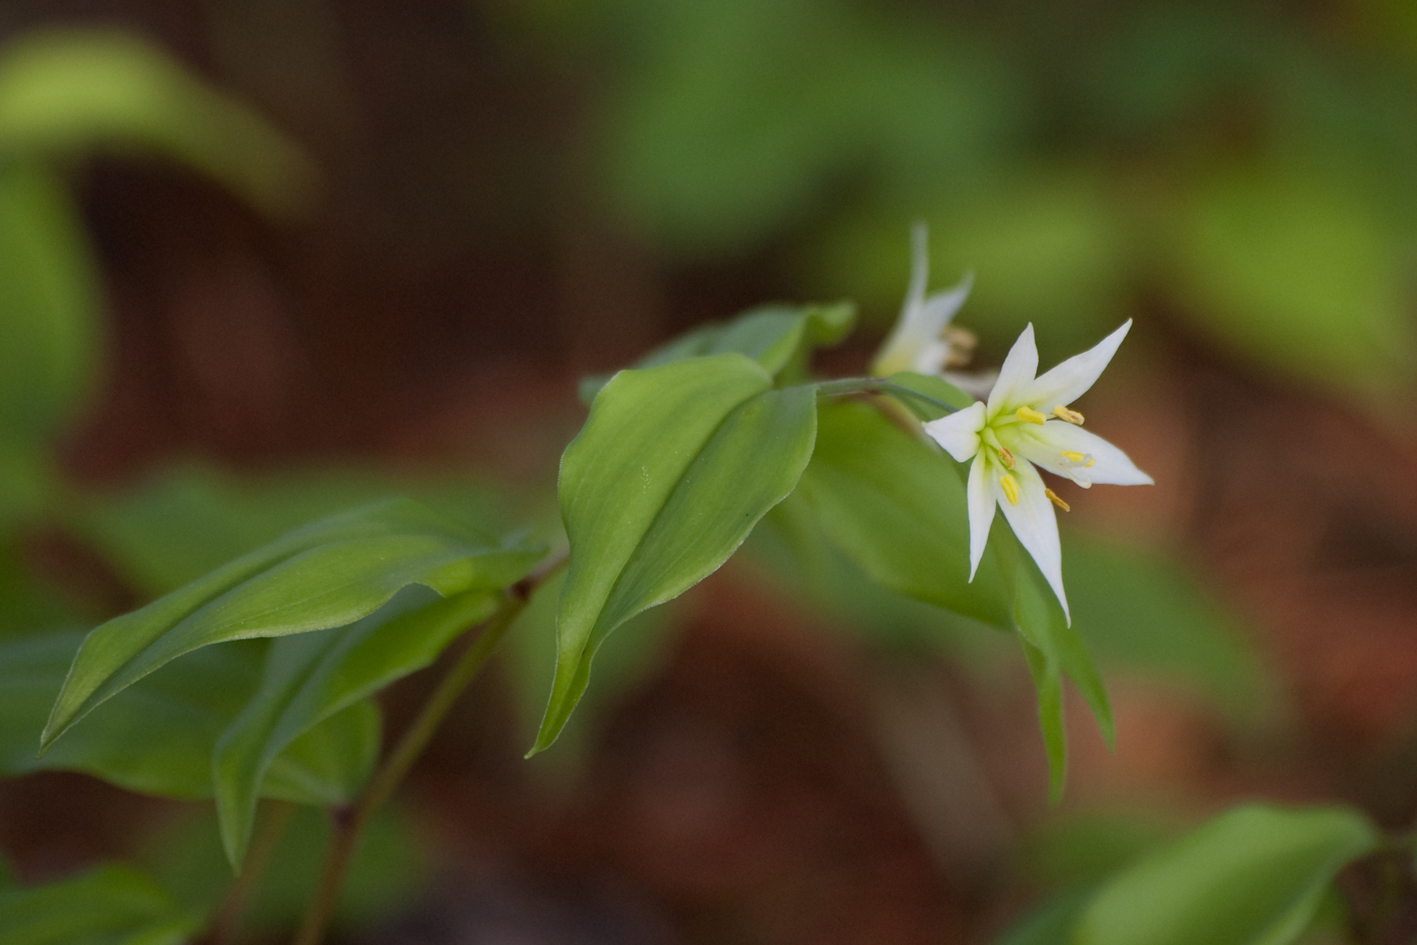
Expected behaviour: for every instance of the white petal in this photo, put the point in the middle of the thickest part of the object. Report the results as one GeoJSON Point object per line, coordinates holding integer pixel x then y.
{"type": "Point", "coordinates": [982, 489]}
{"type": "Point", "coordinates": [1067, 382]}
{"type": "Point", "coordinates": [1045, 445]}
{"type": "Point", "coordinates": [930, 357]}
{"type": "Point", "coordinates": [1016, 374]}
{"type": "Point", "coordinates": [1036, 526]}
{"type": "Point", "coordinates": [958, 432]}
{"type": "Point", "coordinates": [939, 309]}
{"type": "Point", "coordinates": [901, 348]}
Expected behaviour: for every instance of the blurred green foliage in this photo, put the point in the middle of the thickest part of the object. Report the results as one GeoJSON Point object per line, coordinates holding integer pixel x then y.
{"type": "Point", "coordinates": [1252, 167]}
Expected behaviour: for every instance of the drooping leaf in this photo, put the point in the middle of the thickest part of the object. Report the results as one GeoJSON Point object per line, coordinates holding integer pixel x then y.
{"type": "Point", "coordinates": [49, 325]}
{"type": "Point", "coordinates": [674, 467]}
{"type": "Point", "coordinates": [1252, 876]}
{"type": "Point", "coordinates": [76, 91]}
{"type": "Point", "coordinates": [108, 905]}
{"type": "Point", "coordinates": [157, 736]}
{"type": "Point", "coordinates": [1053, 648]}
{"type": "Point", "coordinates": [311, 676]}
{"type": "Point", "coordinates": [327, 574]}
{"type": "Point", "coordinates": [778, 337]}
{"type": "Point", "coordinates": [896, 506]}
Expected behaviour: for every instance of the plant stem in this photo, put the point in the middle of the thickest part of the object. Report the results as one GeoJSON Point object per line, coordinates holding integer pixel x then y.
{"type": "Point", "coordinates": [875, 385]}
{"type": "Point", "coordinates": [226, 921]}
{"type": "Point", "coordinates": [350, 821]}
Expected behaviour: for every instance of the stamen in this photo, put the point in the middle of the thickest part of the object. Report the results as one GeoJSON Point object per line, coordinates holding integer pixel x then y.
{"type": "Point", "coordinates": [1072, 457]}
{"type": "Point", "coordinates": [961, 343]}
{"type": "Point", "coordinates": [1053, 497]}
{"type": "Point", "coordinates": [1090, 463]}
{"type": "Point", "coordinates": [1071, 416]}
{"type": "Point", "coordinates": [1006, 456]}
{"type": "Point", "coordinates": [1010, 487]}
{"type": "Point", "coordinates": [1029, 415]}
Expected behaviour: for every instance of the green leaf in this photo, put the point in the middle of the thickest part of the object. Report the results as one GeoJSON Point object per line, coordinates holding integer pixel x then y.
{"type": "Point", "coordinates": [329, 763]}
{"type": "Point", "coordinates": [778, 337]}
{"type": "Point", "coordinates": [1299, 270]}
{"type": "Point", "coordinates": [1252, 876]}
{"type": "Point", "coordinates": [49, 324]}
{"type": "Point", "coordinates": [896, 506]}
{"type": "Point", "coordinates": [63, 92]}
{"type": "Point", "coordinates": [109, 905]}
{"type": "Point", "coordinates": [1053, 648]}
{"type": "Point", "coordinates": [327, 574]}
{"type": "Point", "coordinates": [157, 736]}
{"type": "Point", "coordinates": [311, 676]}
{"type": "Point", "coordinates": [674, 467]}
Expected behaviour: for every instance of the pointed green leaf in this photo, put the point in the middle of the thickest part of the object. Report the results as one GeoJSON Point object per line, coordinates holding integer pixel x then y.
{"type": "Point", "coordinates": [108, 905]}
{"type": "Point", "coordinates": [896, 506]}
{"type": "Point", "coordinates": [157, 736]}
{"type": "Point", "coordinates": [1252, 876]}
{"type": "Point", "coordinates": [1048, 689]}
{"type": "Point", "coordinates": [327, 574]}
{"type": "Point", "coordinates": [1053, 648]}
{"type": "Point", "coordinates": [313, 675]}
{"type": "Point", "coordinates": [674, 467]}
{"type": "Point", "coordinates": [779, 337]}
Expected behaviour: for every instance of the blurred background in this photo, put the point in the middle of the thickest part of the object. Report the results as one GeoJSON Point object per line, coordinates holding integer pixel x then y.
{"type": "Point", "coordinates": [263, 259]}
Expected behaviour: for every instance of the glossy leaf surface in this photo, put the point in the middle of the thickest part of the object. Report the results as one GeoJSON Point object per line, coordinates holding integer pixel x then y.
{"type": "Point", "coordinates": [1252, 876]}
{"type": "Point", "coordinates": [896, 506]}
{"type": "Point", "coordinates": [328, 574]}
{"type": "Point", "coordinates": [674, 467]}
{"type": "Point", "coordinates": [311, 676]}
{"type": "Point", "coordinates": [157, 736]}
{"type": "Point", "coordinates": [110, 905]}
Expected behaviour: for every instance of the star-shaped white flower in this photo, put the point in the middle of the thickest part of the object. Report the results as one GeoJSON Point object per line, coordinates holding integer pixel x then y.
{"type": "Point", "coordinates": [922, 340]}
{"type": "Point", "coordinates": [1026, 423]}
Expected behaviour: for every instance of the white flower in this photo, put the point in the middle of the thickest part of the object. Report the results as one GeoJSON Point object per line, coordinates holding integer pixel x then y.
{"type": "Point", "coordinates": [1026, 423]}
{"type": "Point", "coordinates": [922, 340]}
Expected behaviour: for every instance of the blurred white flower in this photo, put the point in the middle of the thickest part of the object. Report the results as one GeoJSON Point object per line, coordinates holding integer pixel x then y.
{"type": "Point", "coordinates": [923, 340]}
{"type": "Point", "coordinates": [1026, 423]}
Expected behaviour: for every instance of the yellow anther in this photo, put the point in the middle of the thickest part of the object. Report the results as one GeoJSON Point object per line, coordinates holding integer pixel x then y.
{"type": "Point", "coordinates": [1053, 497]}
{"type": "Point", "coordinates": [1072, 457]}
{"type": "Point", "coordinates": [1063, 413]}
{"type": "Point", "coordinates": [1029, 415]}
{"type": "Point", "coordinates": [1010, 486]}
{"type": "Point", "coordinates": [1006, 456]}
{"type": "Point", "coordinates": [1090, 463]}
